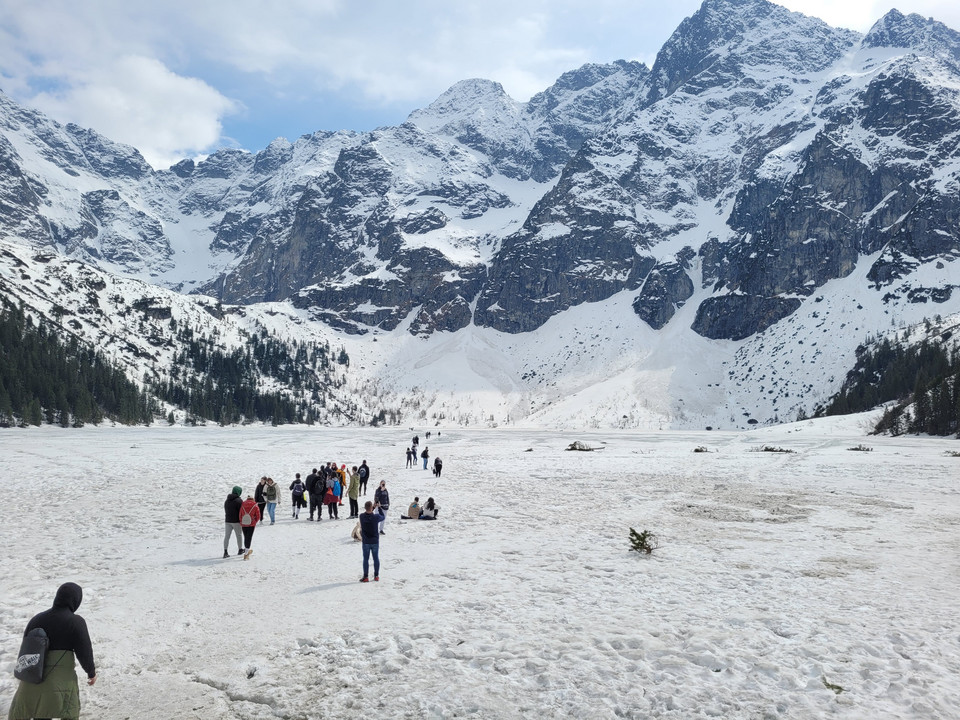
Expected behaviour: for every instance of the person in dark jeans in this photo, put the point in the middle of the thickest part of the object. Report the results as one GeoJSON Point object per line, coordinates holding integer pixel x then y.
{"type": "Point", "coordinates": [364, 471]}
{"type": "Point", "coordinates": [258, 496]}
{"type": "Point", "coordinates": [370, 536]}
{"type": "Point", "coordinates": [315, 489]}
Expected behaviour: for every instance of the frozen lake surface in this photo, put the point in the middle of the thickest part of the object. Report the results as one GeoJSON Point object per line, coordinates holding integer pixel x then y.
{"type": "Point", "coordinates": [822, 582]}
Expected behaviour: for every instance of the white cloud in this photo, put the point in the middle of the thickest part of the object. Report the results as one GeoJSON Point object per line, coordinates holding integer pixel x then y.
{"type": "Point", "coordinates": [159, 75]}
{"type": "Point", "coordinates": [861, 14]}
{"type": "Point", "coordinates": [139, 101]}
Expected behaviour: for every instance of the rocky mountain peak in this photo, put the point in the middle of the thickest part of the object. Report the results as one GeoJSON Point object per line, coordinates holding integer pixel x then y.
{"type": "Point", "coordinates": [466, 102]}
{"type": "Point", "coordinates": [753, 32]}
{"type": "Point", "coordinates": [273, 156]}
{"type": "Point", "coordinates": [924, 35]}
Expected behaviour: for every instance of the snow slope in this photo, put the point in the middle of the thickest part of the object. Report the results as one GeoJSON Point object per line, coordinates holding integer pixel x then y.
{"type": "Point", "coordinates": [817, 583]}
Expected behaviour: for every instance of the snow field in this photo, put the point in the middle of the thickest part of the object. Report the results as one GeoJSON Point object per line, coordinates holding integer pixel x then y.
{"type": "Point", "coordinates": [817, 583]}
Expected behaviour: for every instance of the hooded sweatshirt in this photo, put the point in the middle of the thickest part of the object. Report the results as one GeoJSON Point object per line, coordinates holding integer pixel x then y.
{"type": "Point", "coordinates": [231, 508]}
{"type": "Point", "coordinates": [67, 630]}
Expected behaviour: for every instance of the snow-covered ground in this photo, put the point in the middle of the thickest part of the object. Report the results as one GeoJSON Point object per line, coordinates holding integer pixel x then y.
{"type": "Point", "coordinates": [818, 583]}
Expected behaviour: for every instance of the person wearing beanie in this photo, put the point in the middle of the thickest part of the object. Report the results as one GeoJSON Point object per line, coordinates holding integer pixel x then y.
{"type": "Point", "coordinates": [231, 520]}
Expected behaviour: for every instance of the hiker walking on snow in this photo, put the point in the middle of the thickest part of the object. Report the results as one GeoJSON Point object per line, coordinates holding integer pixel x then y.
{"type": "Point", "coordinates": [58, 694]}
{"type": "Point", "coordinates": [296, 493]}
{"type": "Point", "coordinates": [249, 517]}
{"type": "Point", "coordinates": [315, 492]}
{"type": "Point", "coordinates": [231, 520]}
{"type": "Point", "coordinates": [382, 498]}
{"type": "Point", "coordinates": [271, 493]}
{"type": "Point", "coordinates": [330, 499]}
{"type": "Point", "coordinates": [409, 458]}
{"type": "Point", "coordinates": [369, 521]}
{"type": "Point", "coordinates": [258, 496]}
{"type": "Point", "coordinates": [437, 466]}
{"type": "Point", "coordinates": [353, 492]}
{"type": "Point", "coordinates": [364, 476]}
{"type": "Point", "coordinates": [425, 455]}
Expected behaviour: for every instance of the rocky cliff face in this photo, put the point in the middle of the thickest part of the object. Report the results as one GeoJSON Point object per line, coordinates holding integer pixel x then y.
{"type": "Point", "coordinates": [764, 155]}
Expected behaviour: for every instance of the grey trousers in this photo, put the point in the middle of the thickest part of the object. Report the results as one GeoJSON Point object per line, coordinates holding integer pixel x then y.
{"type": "Point", "coordinates": [235, 529]}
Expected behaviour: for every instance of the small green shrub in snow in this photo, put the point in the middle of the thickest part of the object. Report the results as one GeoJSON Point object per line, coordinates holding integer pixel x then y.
{"type": "Point", "coordinates": [643, 542]}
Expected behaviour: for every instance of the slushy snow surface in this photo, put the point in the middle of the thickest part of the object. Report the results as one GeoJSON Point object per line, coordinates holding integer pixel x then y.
{"type": "Point", "coordinates": [822, 582]}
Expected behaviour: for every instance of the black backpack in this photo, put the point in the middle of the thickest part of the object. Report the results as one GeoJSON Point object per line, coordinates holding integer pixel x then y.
{"type": "Point", "coordinates": [32, 655]}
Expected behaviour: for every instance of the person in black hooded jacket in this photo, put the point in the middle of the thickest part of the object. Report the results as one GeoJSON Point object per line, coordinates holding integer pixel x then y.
{"type": "Point", "coordinates": [58, 695]}
{"type": "Point", "coordinates": [231, 520]}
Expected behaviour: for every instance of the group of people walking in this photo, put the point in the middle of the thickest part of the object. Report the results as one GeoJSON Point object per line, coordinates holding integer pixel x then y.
{"type": "Point", "coordinates": [412, 452]}
{"type": "Point", "coordinates": [327, 486]}
{"type": "Point", "coordinates": [323, 487]}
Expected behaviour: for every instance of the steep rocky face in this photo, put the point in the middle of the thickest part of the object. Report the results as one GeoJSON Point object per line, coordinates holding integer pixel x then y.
{"type": "Point", "coordinates": [727, 89]}
{"type": "Point", "coordinates": [764, 155]}
{"type": "Point", "coordinates": [667, 288]}
{"type": "Point", "coordinates": [880, 175]}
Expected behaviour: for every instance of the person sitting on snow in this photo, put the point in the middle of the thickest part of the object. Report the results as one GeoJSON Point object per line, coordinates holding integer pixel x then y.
{"type": "Point", "coordinates": [429, 511]}
{"type": "Point", "coordinates": [413, 511]}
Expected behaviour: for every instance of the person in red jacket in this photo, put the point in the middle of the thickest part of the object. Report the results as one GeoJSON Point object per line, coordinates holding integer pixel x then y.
{"type": "Point", "coordinates": [249, 517]}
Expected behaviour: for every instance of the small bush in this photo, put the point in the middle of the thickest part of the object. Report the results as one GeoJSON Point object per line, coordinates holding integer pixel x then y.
{"type": "Point", "coordinates": [830, 686]}
{"type": "Point", "coordinates": [861, 448]}
{"type": "Point", "coordinates": [643, 542]}
{"type": "Point", "coordinates": [953, 453]}
{"type": "Point", "coordinates": [700, 448]}
{"type": "Point", "coordinates": [771, 449]}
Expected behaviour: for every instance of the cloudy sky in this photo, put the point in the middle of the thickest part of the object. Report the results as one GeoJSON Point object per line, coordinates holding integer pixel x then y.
{"type": "Point", "coordinates": [179, 78]}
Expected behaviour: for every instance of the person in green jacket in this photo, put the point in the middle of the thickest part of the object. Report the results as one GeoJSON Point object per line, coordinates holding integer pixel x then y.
{"type": "Point", "coordinates": [353, 492]}
{"type": "Point", "coordinates": [58, 694]}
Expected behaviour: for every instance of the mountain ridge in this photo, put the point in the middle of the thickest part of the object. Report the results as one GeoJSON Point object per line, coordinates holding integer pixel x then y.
{"type": "Point", "coordinates": [708, 201]}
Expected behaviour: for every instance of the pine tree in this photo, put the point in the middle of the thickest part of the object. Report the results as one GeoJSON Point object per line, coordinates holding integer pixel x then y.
{"type": "Point", "coordinates": [643, 542]}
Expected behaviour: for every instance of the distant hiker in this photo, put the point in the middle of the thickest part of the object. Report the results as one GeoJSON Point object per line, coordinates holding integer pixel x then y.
{"type": "Point", "coordinates": [425, 455]}
{"type": "Point", "coordinates": [58, 694]}
{"type": "Point", "coordinates": [231, 520]}
{"type": "Point", "coordinates": [369, 522]}
{"type": "Point", "coordinates": [429, 510]}
{"type": "Point", "coordinates": [437, 466]}
{"type": "Point", "coordinates": [416, 439]}
{"type": "Point", "coordinates": [413, 510]}
{"type": "Point", "coordinates": [330, 500]}
{"type": "Point", "coordinates": [342, 490]}
{"type": "Point", "coordinates": [271, 494]}
{"type": "Point", "coordinates": [313, 492]}
{"type": "Point", "coordinates": [258, 496]}
{"type": "Point", "coordinates": [410, 457]}
{"type": "Point", "coordinates": [249, 517]}
{"type": "Point", "coordinates": [382, 499]}
{"type": "Point", "coordinates": [353, 492]}
{"type": "Point", "coordinates": [297, 488]}
{"type": "Point", "coordinates": [364, 476]}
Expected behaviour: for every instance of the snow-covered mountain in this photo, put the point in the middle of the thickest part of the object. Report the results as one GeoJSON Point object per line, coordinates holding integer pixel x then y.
{"type": "Point", "coordinates": [701, 243]}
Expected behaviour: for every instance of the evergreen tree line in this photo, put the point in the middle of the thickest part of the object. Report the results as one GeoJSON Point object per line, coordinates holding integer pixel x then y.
{"type": "Point", "coordinates": [44, 379]}
{"type": "Point", "coordinates": [267, 380]}
{"type": "Point", "coordinates": [923, 375]}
